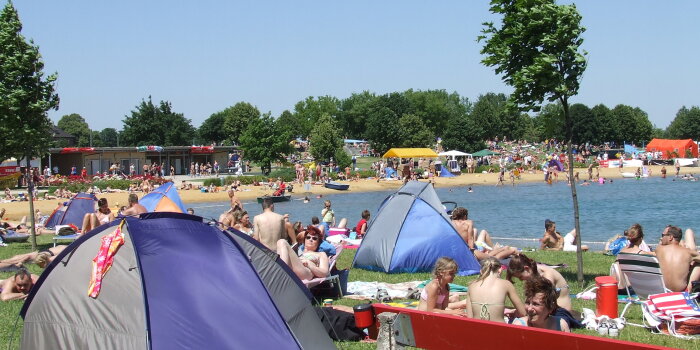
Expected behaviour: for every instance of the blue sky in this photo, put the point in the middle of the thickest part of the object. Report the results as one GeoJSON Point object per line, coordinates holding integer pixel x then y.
{"type": "Point", "coordinates": [204, 56]}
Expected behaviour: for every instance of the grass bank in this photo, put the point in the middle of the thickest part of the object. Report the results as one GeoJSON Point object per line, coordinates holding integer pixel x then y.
{"type": "Point", "coordinates": [596, 264]}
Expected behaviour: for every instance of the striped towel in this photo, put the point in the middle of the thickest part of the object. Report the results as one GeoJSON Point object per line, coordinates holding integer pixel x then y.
{"type": "Point", "coordinates": [676, 305]}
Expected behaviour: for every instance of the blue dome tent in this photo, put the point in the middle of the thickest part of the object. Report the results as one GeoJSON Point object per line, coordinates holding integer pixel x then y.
{"type": "Point", "coordinates": [175, 283]}
{"type": "Point", "coordinates": [410, 232]}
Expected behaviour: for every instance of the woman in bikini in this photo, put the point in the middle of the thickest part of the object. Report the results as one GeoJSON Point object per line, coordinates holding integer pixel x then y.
{"type": "Point", "coordinates": [242, 220]}
{"type": "Point", "coordinates": [41, 258]}
{"type": "Point", "coordinates": [436, 294]}
{"type": "Point", "coordinates": [311, 263]}
{"type": "Point", "coordinates": [487, 294]}
{"type": "Point", "coordinates": [101, 216]}
{"type": "Point", "coordinates": [540, 305]}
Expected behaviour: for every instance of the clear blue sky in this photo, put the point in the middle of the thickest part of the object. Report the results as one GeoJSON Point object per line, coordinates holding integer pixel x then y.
{"type": "Point", "coordinates": [204, 56]}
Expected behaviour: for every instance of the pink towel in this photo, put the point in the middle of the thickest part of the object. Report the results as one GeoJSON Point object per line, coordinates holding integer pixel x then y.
{"type": "Point", "coordinates": [104, 259]}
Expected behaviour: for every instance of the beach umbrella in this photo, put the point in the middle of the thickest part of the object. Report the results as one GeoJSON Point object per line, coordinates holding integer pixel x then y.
{"type": "Point", "coordinates": [485, 152]}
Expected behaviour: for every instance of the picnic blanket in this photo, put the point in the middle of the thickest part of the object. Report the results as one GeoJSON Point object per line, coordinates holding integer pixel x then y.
{"type": "Point", "coordinates": [368, 290]}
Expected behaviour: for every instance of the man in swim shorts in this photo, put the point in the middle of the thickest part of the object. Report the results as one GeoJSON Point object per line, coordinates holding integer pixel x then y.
{"type": "Point", "coordinates": [552, 240]}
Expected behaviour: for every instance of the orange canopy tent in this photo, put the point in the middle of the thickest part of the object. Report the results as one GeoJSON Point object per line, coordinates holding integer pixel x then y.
{"type": "Point", "coordinates": [668, 147]}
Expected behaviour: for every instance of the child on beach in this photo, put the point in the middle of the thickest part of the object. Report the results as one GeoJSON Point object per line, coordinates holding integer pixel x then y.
{"type": "Point", "coordinates": [436, 295]}
{"type": "Point", "coordinates": [487, 294]}
{"type": "Point", "coordinates": [327, 216]}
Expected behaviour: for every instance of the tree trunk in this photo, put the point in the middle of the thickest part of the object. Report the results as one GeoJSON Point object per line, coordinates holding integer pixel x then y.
{"type": "Point", "coordinates": [30, 189]}
{"type": "Point", "coordinates": [574, 196]}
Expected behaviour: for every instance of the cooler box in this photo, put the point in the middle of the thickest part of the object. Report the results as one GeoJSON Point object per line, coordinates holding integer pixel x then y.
{"type": "Point", "coordinates": [606, 296]}
{"type": "Point", "coordinates": [338, 231]}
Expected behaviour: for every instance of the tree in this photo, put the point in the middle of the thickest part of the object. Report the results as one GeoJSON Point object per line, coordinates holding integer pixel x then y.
{"type": "Point", "coordinates": [25, 97]}
{"type": "Point", "coordinates": [383, 130]}
{"type": "Point", "coordinates": [212, 129]}
{"type": "Point", "coordinates": [488, 113]}
{"type": "Point", "coordinates": [584, 126]}
{"type": "Point", "coordinates": [261, 143]}
{"type": "Point", "coordinates": [633, 123]}
{"type": "Point", "coordinates": [686, 124]}
{"type": "Point", "coordinates": [109, 137]}
{"type": "Point", "coordinates": [156, 125]}
{"type": "Point", "coordinates": [605, 124]}
{"type": "Point", "coordinates": [434, 108]}
{"type": "Point", "coordinates": [353, 114]}
{"type": "Point", "coordinates": [76, 125]}
{"type": "Point", "coordinates": [536, 50]}
{"type": "Point", "coordinates": [237, 118]}
{"type": "Point", "coordinates": [414, 133]}
{"type": "Point", "coordinates": [309, 111]}
{"type": "Point", "coordinates": [291, 124]}
{"type": "Point", "coordinates": [462, 134]}
{"type": "Point", "coordinates": [325, 139]}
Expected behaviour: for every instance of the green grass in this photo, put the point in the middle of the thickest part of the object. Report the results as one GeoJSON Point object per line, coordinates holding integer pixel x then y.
{"type": "Point", "coordinates": [595, 264]}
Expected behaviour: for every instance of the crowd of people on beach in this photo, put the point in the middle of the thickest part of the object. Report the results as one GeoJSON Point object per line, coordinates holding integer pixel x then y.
{"type": "Point", "coordinates": [305, 249]}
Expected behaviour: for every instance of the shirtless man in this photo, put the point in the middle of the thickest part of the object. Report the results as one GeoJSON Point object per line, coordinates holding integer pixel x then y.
{"type": "Point", "coordinates": [235, 202]}
{"type": "Point", "coordinates": [552, 240]}
{"type": "Point", "coordinates": [268, 227]}
{"type": "Point", "coordinates": [18, 286]}
{"type": "Point", "coordinates": [134, 207]}
{"type": "Point", "coordinates": [680, 265]}
{"type": "Point", "coordinates": [481, 245]}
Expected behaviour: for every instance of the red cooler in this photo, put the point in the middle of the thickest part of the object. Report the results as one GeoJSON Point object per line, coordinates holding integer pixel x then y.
{"type": "Point", "coordinates": [364, 315]}
{"type": "Point", "coordinates": [606, 296]}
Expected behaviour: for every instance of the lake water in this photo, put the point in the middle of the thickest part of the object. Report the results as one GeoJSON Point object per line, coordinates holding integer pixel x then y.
{"type": "Point", "coordinates": [515, 215]}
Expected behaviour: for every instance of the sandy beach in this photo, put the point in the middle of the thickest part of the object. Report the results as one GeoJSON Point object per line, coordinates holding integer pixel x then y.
{"type": "Point", "coordinates": [16, 210]}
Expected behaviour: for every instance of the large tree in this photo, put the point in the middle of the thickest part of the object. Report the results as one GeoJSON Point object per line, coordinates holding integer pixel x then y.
{"type": "Point", "coordinates": [76, 125]}
{"type": "Point", "coordinates": [291, 124]}
{"type": "Point", "coordinates": [462, 134]}
{"type": "Point", "coordinates": [109, 137]}
{"type": "Point", "coordinates": [212, 129]}
{"type": "Point", "coordinates": [686, 124]}
{"type": "Point", "coordinates": [25, 97]}
{"type": "Point", "coordinates": [536, 49]}
{"type": "Point", "coordinates": [237, 118]}
{"type": "Point", "coordinates": [157, 125]}
{"type": "Point", "coordinates": [309, 111]}
{"type": "Point", "coordinates": [633, 123]}
{"type": "Point", "coordinates": [353, 114]}
{"type": "Point", "coordinates": [489, 113]}
{"type": "Point", "coordinates": [414, 133]}
{"type": "Point", "coordinates": [584, 126]}
{"type": "Point", "coordinates": [325, 139]}
{"type": "Point", "coordinates": [261, 142]}
{"type": "Point", "coordinates": [383, 130]}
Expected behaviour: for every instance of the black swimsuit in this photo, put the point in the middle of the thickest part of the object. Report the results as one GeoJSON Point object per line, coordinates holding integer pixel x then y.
{"type": "Point", "coordinates": [46, 251]}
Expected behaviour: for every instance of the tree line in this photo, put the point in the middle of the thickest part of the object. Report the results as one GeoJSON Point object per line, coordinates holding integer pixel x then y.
{"type": "Point", "coordinates": [411, 118]}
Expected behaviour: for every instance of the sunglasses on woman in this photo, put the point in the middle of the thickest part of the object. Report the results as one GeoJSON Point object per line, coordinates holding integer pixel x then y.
{"type": "Point", "coordinates": [313, 238]}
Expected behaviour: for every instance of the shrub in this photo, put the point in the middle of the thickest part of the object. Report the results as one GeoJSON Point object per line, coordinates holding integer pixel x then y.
{"type": "Point", "coordinates": [287, 174]}
{"type": "Point", "coordinates": [212, 181]}
{"type": "Point", "coordinates": [367, 173]}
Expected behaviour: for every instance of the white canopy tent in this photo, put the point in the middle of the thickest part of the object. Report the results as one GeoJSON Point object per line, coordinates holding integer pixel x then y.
{"type": "Point", "coordinates": [454, 153]}
{"type": "Point", "coordinates": [452, 164]}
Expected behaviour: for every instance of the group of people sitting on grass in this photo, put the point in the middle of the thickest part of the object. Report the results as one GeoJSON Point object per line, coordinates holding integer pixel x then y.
{"type": "Point", "coordinates": [547, 303]}
{"type": "Point", "coordinates": [678, 256]}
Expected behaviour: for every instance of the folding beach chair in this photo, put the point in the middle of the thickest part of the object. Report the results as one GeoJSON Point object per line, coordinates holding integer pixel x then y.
{"type": "Point", "coordinates": [643, 274]}
{"type": "Point", "coordinates": [675, 313]}
{"type": "Point", "coordinates": [333, 278]}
